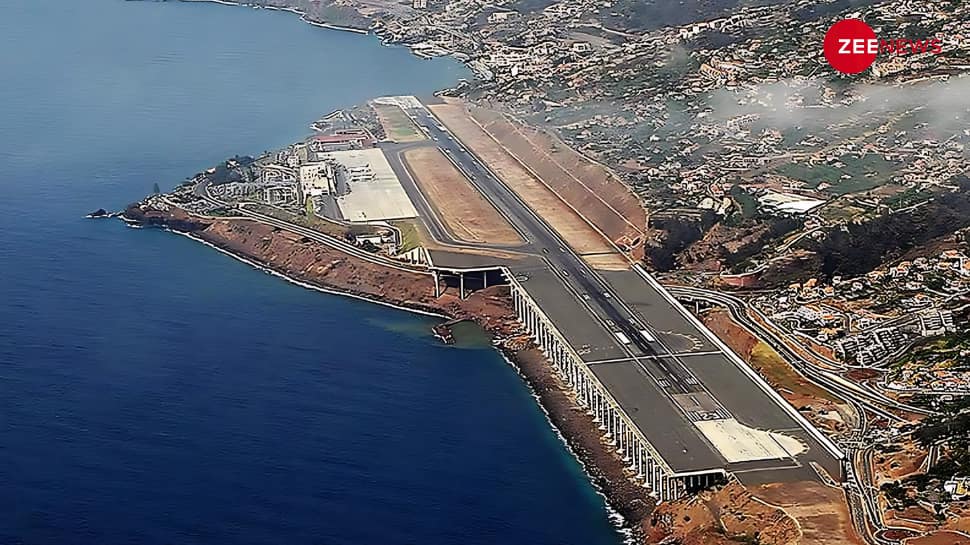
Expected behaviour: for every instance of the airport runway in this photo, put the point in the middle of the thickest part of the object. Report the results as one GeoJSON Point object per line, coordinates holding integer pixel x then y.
{"type": "Point", "coordinates": [666, 373]}
{"type": "Point", "coordinates": [628, 328]}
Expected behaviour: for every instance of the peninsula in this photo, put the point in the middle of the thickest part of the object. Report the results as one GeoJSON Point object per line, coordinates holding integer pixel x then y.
{"type": "Point", "coordinates": [607, 147]}
{"type": "Point", "coordinates": [444, 207]}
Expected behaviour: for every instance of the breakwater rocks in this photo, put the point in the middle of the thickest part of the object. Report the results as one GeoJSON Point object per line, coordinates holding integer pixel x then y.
{"type": "Point", "coordinates": [605, 467]}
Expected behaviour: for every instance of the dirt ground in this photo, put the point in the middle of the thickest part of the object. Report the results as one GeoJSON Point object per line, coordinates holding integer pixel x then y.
{"type": "Point", "coordinates": [725, 516]}
{"type": "Point", "coordinates": [587, 186]}
{"type": "Point", "coordinates": [465, 212]}
{"type": "Point", "coordinates": [959, 518]}
{"type": "Point", "coordinates": [416, 234]}
{"type": "Point", "coordinates": [940, 538]}
{"type": "Point", "coordinates": [821, 511]}
{"type": "Point", "coordinates": [898, 465]}
{"type": "Point", "coordinates": [398, 127]}
{"type": "Point", "coordinates": [577, 233]}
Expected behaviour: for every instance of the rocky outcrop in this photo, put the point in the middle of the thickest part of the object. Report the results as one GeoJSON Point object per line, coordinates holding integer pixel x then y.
{"type": "Point", "coordinates": [602, 463]}
{"type": "Point", "coordinates": [726, 516]}
{"type": "Point", "coordinates": [176, 219]}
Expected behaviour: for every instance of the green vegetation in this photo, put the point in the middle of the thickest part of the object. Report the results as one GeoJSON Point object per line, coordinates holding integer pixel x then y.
{"type": "Point", "coordinates": [840, 210]}
{"type": "Point", "coordinates": [222, 212]}
{"type": "Point", "coordinates": [909, 197]}
{"type": "Point", "coordinates": [951, 428]}
{"type": "Point", "coordinates": [397, 125]}
{"type": "Point", "coordinates": [860, 248]}
{"type": "Point", "coordinates": [939, 349]}
{"type": "Point", "coordinates": [897, 495]}
{"type": "Point", "coordinates": [781, 375]}
{"type": "Point", "coordinates": [410, 237]}
{"type": "Point", "coordinates": [224, 173]}
{"type": "Point", "coordinates": [311, 221]}
{"type": "Point", "coordinates": [747, 203]}
{"type": "Point", "coordinates": [867, 172]}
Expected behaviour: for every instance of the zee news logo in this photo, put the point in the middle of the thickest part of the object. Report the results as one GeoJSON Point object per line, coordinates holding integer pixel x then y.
{"type": "Point", "coordinates": [851, 46]}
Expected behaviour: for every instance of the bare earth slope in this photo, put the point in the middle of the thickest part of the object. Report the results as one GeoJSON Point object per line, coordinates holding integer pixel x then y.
{"type": "Point", "coordinates": [464, 211]}
{"type": "Point", "coordinates": [579, 234]}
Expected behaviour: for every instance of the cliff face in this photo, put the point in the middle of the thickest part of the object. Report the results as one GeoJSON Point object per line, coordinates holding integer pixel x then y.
{"type": "Point", "coordinates": [174, 219]}
{"type": "Point", "coordinates": [317, 264]}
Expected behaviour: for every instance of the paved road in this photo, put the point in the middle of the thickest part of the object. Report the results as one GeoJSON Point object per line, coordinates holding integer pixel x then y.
{"type": "Point", "coordinates": [605, 310]}
{"type": "Point", "coordinates": [201, 191]}
{"type": "Point", "coordinates": [873, 400]}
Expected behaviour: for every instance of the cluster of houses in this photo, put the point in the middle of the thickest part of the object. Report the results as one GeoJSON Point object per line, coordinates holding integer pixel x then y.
{"type": "Point", "coordinates": [867, 319]}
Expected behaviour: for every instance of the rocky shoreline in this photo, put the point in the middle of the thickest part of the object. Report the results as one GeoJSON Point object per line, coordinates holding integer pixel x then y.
{"type": "Point", "coordinates": [314, 265]}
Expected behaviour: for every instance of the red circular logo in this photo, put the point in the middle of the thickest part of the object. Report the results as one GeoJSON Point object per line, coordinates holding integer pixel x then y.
{"type": "Point", "coordinates": [850, 46]}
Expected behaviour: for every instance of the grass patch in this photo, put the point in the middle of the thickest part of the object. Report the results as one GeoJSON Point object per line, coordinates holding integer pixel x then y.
{"type": "Point", "coordinates": [780, 374]}
{"type": "Point", "coordinates": [840, 211]}
{"type": "Point", "coordinates": [397, 125]}
{"type": "Point", "coordinates": [410, 236]}
{"type": "Point", "coordinates": [311, 222]}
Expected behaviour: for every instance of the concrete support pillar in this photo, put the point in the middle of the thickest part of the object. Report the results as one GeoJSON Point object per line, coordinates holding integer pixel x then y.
{"type": "Point", "coordinates": [437, 288]}
{"type": "Point", "coordinates": [461, 285]}
{"type": "Point", "coordinates": [620, 434]}
{"type": "Point", "coordinates": [625, 445]}
{"type": "Point", "coordinates": [608, 420]}
{"type": "Point", "coordinates": [516, 301]}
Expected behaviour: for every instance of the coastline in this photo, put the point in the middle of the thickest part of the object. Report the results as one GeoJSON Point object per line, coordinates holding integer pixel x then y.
{"type": "Point", "coordinates": [374, 27]}
{"type": "Point", "coordinates": [306, 285]}
{"type": "Point", "coordinates": [627, 504]}
{"type": "Point", "coordinates": [302, 14]}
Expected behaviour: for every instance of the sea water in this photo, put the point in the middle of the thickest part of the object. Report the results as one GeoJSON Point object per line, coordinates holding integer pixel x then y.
{"type": "Point", "coordinates": [153, 390]}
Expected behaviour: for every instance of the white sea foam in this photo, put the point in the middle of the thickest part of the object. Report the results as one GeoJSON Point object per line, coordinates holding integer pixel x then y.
{"type": "Point", "coordinates": [615, 518]}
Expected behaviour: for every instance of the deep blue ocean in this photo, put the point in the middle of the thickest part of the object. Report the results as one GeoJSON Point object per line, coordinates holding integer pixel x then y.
{"type": "Point", "coordinates": [154, 391]}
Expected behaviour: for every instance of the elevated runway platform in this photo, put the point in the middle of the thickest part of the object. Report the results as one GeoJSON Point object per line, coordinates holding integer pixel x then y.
{"type": "Point", "coordinates": [690, 398]}
{"type": "Point", "coordinates": [683, 410]}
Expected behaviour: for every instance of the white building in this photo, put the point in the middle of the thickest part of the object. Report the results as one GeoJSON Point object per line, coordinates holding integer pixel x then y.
{"type": "Point", "coordinates": [317, 179]}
